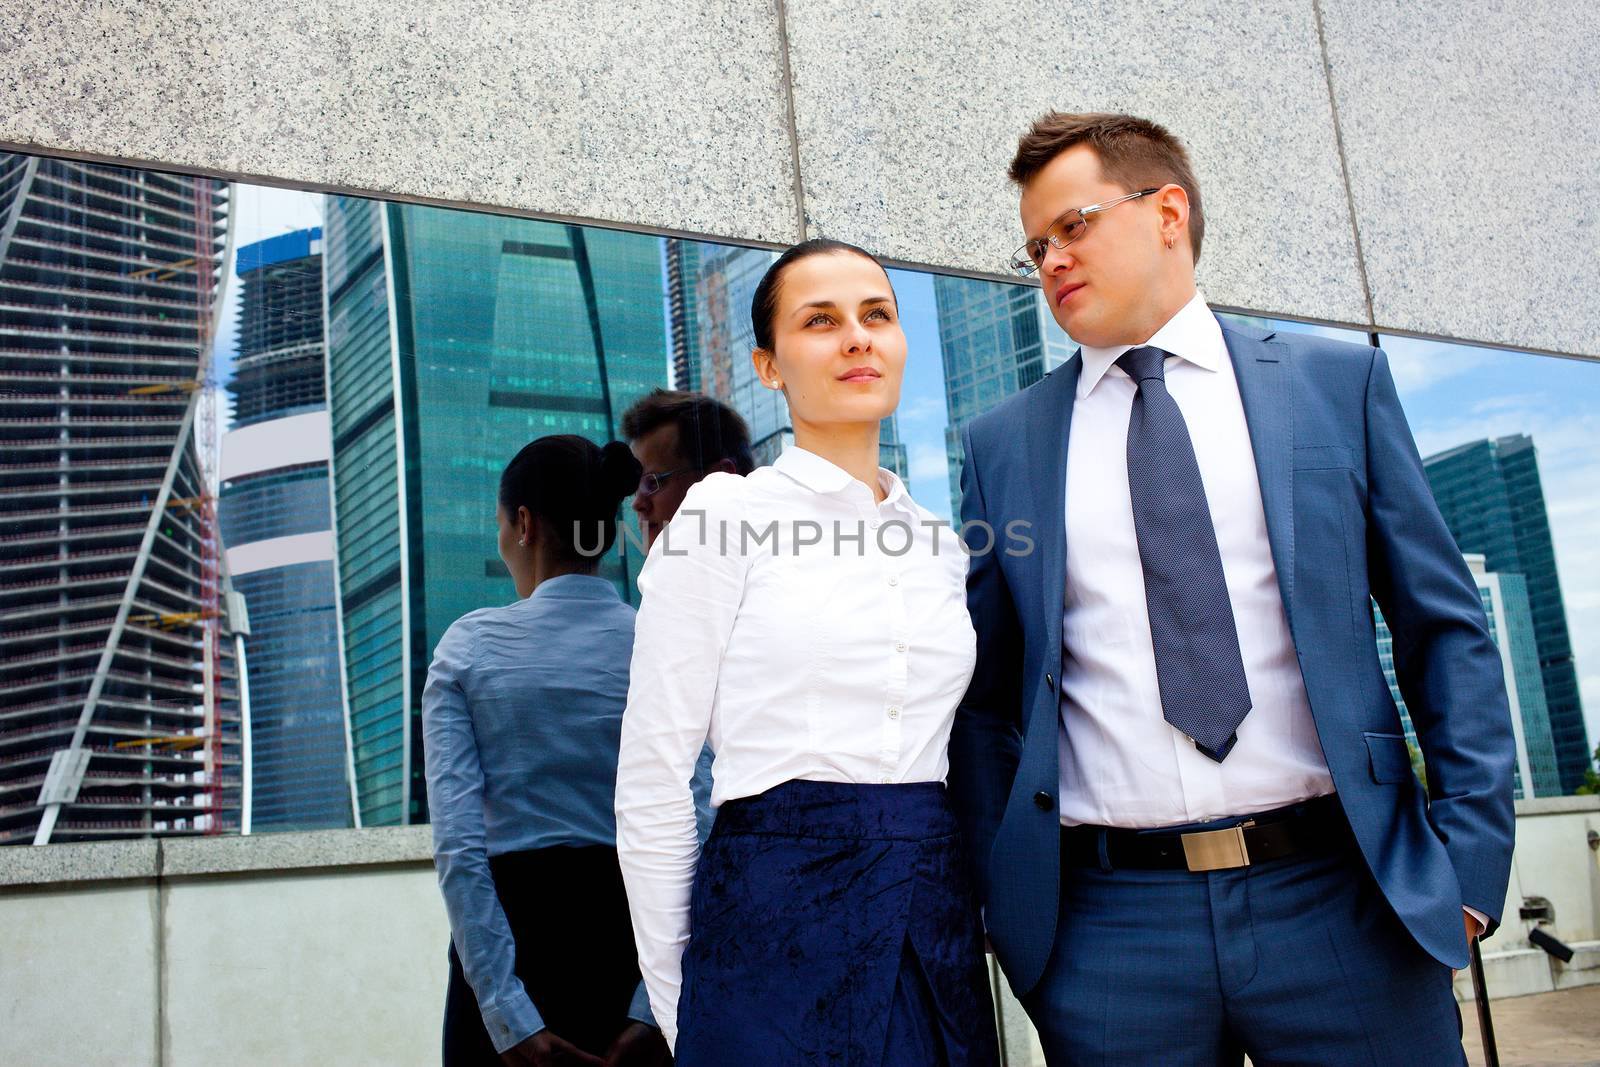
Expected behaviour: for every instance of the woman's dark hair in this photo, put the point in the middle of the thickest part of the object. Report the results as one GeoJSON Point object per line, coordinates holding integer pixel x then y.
{"type": "Point", "coordinates": [575, 488]}
{"type": "Point", "coordinates": [764, 307]}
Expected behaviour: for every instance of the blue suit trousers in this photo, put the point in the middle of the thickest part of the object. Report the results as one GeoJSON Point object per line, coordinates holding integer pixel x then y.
{"type": "Point", "coordinates": [1295, 961]}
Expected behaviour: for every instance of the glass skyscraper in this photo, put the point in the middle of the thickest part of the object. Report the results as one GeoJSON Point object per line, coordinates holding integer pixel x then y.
{"type": "Point", "coordinates": [453, 340]}
{"type": "Point", "coordinates": [108, 293]}
{"type": "Point", "coordinates": [1505, 605]}
{"type": "Point", "coordinates": [1492, 498]}
{"type": "Point", "coordinates": [277, 525]}
{"type": "Point", "coordinates": [683, 310]}
{"type": "Point", "coordinates": [996, 339]}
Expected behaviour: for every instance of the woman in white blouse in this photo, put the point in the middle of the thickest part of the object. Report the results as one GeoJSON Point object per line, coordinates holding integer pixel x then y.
{"type": "Point", "coordinates": [810, 621]}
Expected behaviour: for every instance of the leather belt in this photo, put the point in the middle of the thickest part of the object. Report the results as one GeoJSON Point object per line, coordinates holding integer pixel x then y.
{"type": "Point", "coordinates": [1314, 827]}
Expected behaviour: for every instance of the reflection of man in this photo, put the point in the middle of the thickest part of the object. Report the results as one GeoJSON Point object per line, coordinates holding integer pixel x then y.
{"type": "Point", "coordinates": [679, 438]}
{"type": "Point", "coordinates": [1178, 762]}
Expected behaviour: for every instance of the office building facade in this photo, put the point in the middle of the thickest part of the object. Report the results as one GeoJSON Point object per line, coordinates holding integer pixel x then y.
{"type": "Point", "coordinates": [995, 339]}
{"type": "Point", "coordinates": [114, 722]}
{"type": "Point", "coordinates": [277, 525]}
{"type": "Point", "coordinates": [454, 340]}
{"type": "Point", "coordinates": [1492, 498]}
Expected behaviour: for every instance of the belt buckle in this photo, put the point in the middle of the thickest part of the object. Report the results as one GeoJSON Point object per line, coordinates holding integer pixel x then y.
{"type": "Point", "coordinates": [1217, 850]}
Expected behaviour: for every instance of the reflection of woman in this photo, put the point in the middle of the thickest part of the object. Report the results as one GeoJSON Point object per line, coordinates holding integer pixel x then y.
{"type": "Point", "coordinates": [811, 620]}
{"type": "Point", "coordinates": [520, 720]}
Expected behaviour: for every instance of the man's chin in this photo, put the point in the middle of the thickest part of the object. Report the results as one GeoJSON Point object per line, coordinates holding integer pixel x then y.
{"type": "Point", "coordinates": [1082, 329]}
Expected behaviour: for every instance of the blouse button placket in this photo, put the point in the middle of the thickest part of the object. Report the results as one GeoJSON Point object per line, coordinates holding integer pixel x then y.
{"type": "Point", "coordinates": [896, 641]}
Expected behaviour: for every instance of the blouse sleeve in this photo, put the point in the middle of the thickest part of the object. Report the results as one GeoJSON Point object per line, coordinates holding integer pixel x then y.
{"type": "Point", "coordinates": [478, 925]}
{"type": "Point", "coordinates": [690, 589]}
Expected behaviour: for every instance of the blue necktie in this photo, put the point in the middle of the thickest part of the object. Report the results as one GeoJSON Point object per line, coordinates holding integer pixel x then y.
{"type": "Point", "coordinates": [1203, 687]}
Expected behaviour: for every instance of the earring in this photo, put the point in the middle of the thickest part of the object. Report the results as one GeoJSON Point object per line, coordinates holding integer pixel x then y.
{"type": "Point", "coordinates": [1169, 243]}
{"type": "Point", "coordinates": [523, 541]}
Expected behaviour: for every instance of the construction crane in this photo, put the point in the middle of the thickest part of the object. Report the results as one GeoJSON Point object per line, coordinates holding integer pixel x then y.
{"type": "Point", "coordinates": [168, 621]}
{"type": "Point", "coordinates": [164, 387]}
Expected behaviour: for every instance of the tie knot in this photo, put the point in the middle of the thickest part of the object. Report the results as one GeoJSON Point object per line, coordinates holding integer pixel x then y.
{"type": "Point", "coordinates": [1142, 364]}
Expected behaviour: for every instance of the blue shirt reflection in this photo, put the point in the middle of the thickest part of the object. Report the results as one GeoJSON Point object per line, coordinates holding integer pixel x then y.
{"type": "Point", "coordinates": [521, 721]}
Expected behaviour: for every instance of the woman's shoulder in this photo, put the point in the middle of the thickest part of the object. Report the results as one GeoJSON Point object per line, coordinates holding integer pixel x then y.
{"type": "Point", "coordinates": [458, 637]}
{"type": "Point", "coordinates": [719, 492]}
{"type": "Point", "coordinates": [714, 504]}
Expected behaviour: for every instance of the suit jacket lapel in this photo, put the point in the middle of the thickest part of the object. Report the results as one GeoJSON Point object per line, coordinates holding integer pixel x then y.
{"type": "Point", "coordinates": [1049, 427]}
{"type": "Point", "coordinates": [1263, 369]}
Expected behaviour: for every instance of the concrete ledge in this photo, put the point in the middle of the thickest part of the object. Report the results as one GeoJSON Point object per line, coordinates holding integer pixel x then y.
{"type": "Point", "coordinates": [98, 861]}
{"type": "Point", "coordinates": [1557, 805]}
{"type": "Point", "coordinates": [1584, 968]}
{"type": "Point", "coordinates": [182, 857]}
{"type": "Point", "coordinates": [111, 861]}
{"type": "Point", "coordinates": [1525, 972]}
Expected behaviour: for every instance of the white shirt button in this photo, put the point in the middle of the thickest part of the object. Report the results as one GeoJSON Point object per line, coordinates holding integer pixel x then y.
{"type": "Point", "coordinates": [875, 523]}
{"type": "Point", "coordinates": [899, 646]}
{"type": "Point", "coordinates": [894, 579]}
{"type": "Point", "coordinates": [885, 779]}
{"type": "Point", "coordinates": [894, 713]}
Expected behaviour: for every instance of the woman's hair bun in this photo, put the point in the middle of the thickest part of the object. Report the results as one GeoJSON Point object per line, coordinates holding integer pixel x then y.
{"type": "Point", "coordinates": [619, 472]}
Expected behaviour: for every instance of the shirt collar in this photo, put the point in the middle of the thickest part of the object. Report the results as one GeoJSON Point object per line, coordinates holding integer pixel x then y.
{"type": "Point", "coordinates": [822, 476]}
{"type": "Point", "coordinates": [576, 587]}
{"type": "Point", "coordinates": [1192, 334]}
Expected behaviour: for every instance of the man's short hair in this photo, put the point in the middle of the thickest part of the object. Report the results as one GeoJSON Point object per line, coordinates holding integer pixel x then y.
{"type": "Point", "coordinates": [1134, 153]}
{"type": "Point", "coordinates": [708, 430]}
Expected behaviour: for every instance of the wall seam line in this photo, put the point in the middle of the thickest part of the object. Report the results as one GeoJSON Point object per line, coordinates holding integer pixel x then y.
{"type": "Point", "coordinates": [792, 124]}
{"type": "Point", "coordinates": [163, 1037]}
{"type": "Point", "coordinates": [1344, 165]}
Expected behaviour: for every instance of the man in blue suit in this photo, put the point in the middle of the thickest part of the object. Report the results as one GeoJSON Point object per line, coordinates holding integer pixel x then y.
{"type": "Point", "coordinates": [1182, 775]}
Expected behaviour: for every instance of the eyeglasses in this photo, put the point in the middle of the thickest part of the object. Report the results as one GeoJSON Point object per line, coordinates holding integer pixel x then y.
{"type": "Point", "coordinates": [1062, 232]}
{"type": "Point", "coordinates": [650, 484]}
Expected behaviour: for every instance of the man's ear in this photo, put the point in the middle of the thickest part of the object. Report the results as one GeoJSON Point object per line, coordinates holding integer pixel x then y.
{"type": "Point", "coordinates": [1173, 203]}
{"type": "Point", "coordinates": [723, 464]}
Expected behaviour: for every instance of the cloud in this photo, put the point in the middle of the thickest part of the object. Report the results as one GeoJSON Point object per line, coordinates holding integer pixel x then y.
{"type": "Point", "coordinates": [929, 463]}
{"type": "Point", "coordinates": [923, 409]}
{"type": "Point", "coordinates": [1418, 366]}
{"type": "Point", "coordinates": [1514, 402]}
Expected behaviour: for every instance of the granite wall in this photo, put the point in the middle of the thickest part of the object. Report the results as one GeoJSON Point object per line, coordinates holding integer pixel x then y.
{"type": "Point", "coordinates": [1411, 168]}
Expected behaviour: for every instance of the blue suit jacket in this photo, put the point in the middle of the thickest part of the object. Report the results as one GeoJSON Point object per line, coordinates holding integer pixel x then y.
{"type": "Point", "coordinates": [1349, 516]}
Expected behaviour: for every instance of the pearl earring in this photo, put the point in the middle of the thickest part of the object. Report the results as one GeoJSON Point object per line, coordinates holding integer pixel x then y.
{"type": "Point", "coordinates": [523, 541]}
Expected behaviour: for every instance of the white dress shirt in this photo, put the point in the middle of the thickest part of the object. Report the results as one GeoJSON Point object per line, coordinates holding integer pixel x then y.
{"type": "Point", "coordinates": [1122, 764]}
{"type": "Point", "coordinates": [809, 632]}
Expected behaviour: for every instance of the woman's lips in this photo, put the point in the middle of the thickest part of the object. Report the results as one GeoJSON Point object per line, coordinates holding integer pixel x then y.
{"type": "Point", "coordinates": [860, 374]}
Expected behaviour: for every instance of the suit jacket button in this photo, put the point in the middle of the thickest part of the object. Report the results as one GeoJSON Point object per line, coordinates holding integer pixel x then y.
{"type": "Point", "coordinates": [1049, 681]}
{"type": "Point", "coordinates": [1043, 801]}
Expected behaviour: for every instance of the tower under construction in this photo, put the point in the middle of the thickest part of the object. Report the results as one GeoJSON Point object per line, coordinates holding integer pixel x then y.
{"type": "Point", "coordinates": [119, 696]}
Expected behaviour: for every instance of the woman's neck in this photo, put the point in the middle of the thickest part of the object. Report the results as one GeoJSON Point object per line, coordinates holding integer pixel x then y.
{"type": "Point", "coordinates": [852, 447]}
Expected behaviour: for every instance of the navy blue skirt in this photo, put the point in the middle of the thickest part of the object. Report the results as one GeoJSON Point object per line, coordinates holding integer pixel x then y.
{"type": "Point", "coordinates": [835, 924]}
